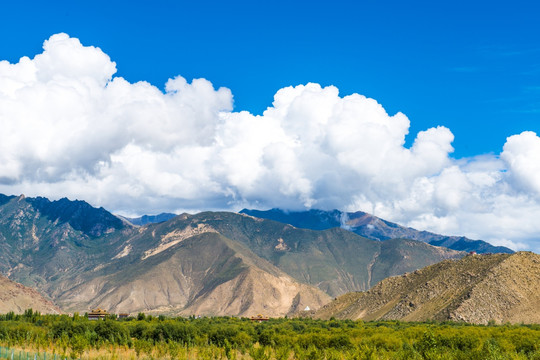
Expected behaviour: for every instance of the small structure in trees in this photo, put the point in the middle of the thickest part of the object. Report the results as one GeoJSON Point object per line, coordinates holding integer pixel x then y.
{"type": "Point", "coordinates": [97, 314]}
{"type": "Point", "coordinates": [259, 318]}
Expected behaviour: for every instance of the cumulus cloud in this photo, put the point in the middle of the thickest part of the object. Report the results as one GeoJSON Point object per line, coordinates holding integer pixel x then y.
{"type": "Point", "coordinates": [71, 128]}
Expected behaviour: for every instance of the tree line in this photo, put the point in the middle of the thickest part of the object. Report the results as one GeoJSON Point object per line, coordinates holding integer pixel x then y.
{"type": "Point", "coordinates": [151, 337]}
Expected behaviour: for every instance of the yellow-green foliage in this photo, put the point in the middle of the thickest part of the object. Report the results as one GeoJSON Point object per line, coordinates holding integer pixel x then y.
{"type": "Point", "coordinates": [281, 339]}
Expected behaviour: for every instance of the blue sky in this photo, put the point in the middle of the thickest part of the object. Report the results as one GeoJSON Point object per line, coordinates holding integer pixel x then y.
{"type": "Point", "coordinates": [99, 101]}
{"type": "Point", "coordinates": [471, 66]}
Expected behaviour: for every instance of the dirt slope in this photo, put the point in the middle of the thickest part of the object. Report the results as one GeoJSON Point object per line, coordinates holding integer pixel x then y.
{"type": "Point", "coordinates": [17, 298]}
{"type": "Point", "coordinates": [476, 289]}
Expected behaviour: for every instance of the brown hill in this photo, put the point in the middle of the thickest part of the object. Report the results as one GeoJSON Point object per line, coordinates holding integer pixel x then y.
{"type": "Point", "coordinates": [477, 289]}
{"type": "Point", "coordinates": [202, 274]}
{"type": "Point", "coordinates": [17, 298]}
{"type": "Point", "coordinates": [334, 260]}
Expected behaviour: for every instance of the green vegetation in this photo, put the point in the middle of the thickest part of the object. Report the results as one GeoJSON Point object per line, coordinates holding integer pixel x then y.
{"type": "Point", "coordinates": [148, 337]}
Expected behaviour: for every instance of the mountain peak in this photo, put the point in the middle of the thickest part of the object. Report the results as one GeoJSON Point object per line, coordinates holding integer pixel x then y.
{"type": "Point", "coordinates": [79, 214]}
{"type": "Point", "coordinates": [4, 199]}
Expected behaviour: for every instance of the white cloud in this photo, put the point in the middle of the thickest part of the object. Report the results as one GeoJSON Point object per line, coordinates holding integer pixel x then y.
{"type": "Point", "coordinates": [522, 157]}
{"type": "Point", "coordinates": [70, 128]}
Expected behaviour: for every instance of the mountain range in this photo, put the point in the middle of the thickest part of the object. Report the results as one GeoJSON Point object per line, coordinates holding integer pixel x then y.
{"type": "Point", "coordinates": [211, 263]}
{"type": "Point", "coordinates": [372, 227]}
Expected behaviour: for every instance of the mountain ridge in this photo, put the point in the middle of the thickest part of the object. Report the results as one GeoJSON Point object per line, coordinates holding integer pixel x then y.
{"type": "Point", "coordinates": [372, 227]}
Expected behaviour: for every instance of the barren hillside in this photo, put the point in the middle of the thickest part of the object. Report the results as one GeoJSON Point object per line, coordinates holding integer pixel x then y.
{"type": "Point", "coordinates": [204, 274]}
{"type": "Point", "coordinates": [476, 289]}
{"type": "Point", "coordinates": [17, 298]}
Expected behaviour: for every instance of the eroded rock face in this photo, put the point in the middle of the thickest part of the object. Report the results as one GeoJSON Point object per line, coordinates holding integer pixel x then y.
{"type": "Point", "coordinates": [175, 237]}
{"type": "Point", "coordinates": [477, 289]}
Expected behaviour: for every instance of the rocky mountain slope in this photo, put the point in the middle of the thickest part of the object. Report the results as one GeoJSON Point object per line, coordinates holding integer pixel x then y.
{"type": "Point", "coordinates": [372, 227]}
{"type": "Point", "coordinates": [17, 298]}
{"type": "Point", "coordinates": [84, 257]}
{"type": "Point", "coordinates": [227, 263]}
{"type": "Point", "coordinates": [190, 271]}
{"type": "Point", "coordinates": [477, 289]}
{"type": "Point", "coordinates": [334, 260]}
{"type": "Point", "coordinates": [212, 263]}
{"type": "Point", "coordinates": [43, 241]}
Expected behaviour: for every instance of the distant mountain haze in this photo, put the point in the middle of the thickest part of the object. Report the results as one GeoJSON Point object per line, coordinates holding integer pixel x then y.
{"type": "Point", "coordinates": [372, 227]}
{"type": "Point", "coordinates": [150, 219]}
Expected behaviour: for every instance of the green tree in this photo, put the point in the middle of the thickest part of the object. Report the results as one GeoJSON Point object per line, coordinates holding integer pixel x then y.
{"type": "Point", "coordinates": [78, 344]}
{"type": "Point", "coordinates": [259, 353]}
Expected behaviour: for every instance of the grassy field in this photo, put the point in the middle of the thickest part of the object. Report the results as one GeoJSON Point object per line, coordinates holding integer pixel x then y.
{"type": "Point", "coordinates": [55, 337]}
